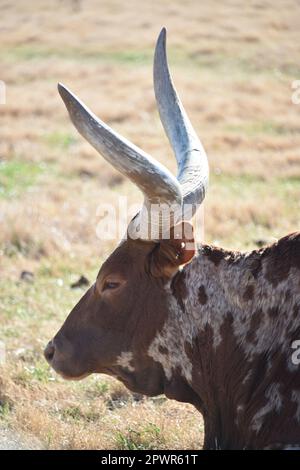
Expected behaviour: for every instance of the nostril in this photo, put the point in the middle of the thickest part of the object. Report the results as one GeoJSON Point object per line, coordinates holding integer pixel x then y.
{"type": "Point", "coordinates": [49, 351]}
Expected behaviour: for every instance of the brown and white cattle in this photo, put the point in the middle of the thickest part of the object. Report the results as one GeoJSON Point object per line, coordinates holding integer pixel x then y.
{"type": "Point", "coordinates": [200, 324]}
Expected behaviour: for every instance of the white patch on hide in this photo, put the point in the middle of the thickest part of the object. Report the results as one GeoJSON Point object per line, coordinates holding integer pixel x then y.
{"type": "Point", "coordinates": [124, 361]}
{"type": "Point", "coordinates": [274, 404]}
{"type": "Point", "coordinates": [167, 348]}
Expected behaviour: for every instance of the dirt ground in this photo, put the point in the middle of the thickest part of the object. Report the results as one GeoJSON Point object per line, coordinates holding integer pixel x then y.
{"type": "Point", "coordinates": [9, 440]}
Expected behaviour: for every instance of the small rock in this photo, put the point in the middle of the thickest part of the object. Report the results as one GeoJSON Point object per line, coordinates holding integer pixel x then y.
{"type": "Point", "coordinates": [86, 174]}
{"type": "Point", "coordinates": [82, 281]}
{"type": "Point", "coordinates": [115, 180]}
{"type": "Point", "coordinates": [261, 242]}
{"type": "Point", "coordinates": [27, 276]}
{"type": "Point", "coordinates": [22, 353]}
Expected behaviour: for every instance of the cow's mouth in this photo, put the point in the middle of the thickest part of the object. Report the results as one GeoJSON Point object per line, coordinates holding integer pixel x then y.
{"type": "Point", "coordinates": [62, 365]}
{"type": "Point", "coordinates": [68, 374]}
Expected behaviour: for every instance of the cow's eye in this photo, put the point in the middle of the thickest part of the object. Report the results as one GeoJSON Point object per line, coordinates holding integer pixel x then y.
{"type": "Point", "coordinates": [109, 285]}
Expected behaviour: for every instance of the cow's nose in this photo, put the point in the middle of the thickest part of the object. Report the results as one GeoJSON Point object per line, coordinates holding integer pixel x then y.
{"type": "Point", "coordinates": [49, 351]}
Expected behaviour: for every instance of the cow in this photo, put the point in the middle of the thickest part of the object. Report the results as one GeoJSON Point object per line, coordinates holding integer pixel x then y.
{"type": "Point", "coordinates": [203, 325]}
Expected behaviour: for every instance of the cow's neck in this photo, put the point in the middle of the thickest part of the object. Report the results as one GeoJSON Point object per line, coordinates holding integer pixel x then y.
{"type": "Point", "coordinates": [209, 295]}
{"type": "Point", "coordinates": [210, 292]}
{"type": "Point", "coordinates": [229, 317]}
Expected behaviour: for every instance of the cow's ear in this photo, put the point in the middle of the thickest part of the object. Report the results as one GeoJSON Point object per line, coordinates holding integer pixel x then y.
{"type": "Point", "coordinates": [170, 254]}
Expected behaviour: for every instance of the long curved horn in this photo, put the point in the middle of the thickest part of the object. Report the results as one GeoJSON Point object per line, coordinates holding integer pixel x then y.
{"type": "Point", "coordinates": [159, 186]}
{"type": "Point", "coordinates": [191, 158]}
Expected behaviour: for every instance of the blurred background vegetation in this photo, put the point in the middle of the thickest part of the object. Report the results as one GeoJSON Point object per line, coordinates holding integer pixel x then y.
{"type": "Point", "coordinates": [233, 63]}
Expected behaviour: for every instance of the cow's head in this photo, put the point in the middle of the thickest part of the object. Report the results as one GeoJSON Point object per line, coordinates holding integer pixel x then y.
{"type": "Point", "coordinates": [112, 327]}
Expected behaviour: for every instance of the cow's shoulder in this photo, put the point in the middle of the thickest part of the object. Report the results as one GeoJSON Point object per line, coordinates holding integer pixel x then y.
{"type": "Point", "coordinates": [281, 258]}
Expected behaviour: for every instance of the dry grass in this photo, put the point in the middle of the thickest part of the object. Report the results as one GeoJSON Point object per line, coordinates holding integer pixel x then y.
{"type": "Point", "coordinates": [234, 64]}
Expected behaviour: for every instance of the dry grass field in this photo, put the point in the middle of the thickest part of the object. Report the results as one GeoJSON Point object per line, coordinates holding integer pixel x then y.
{"type": "Point", "coordinates": [233, 63]}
